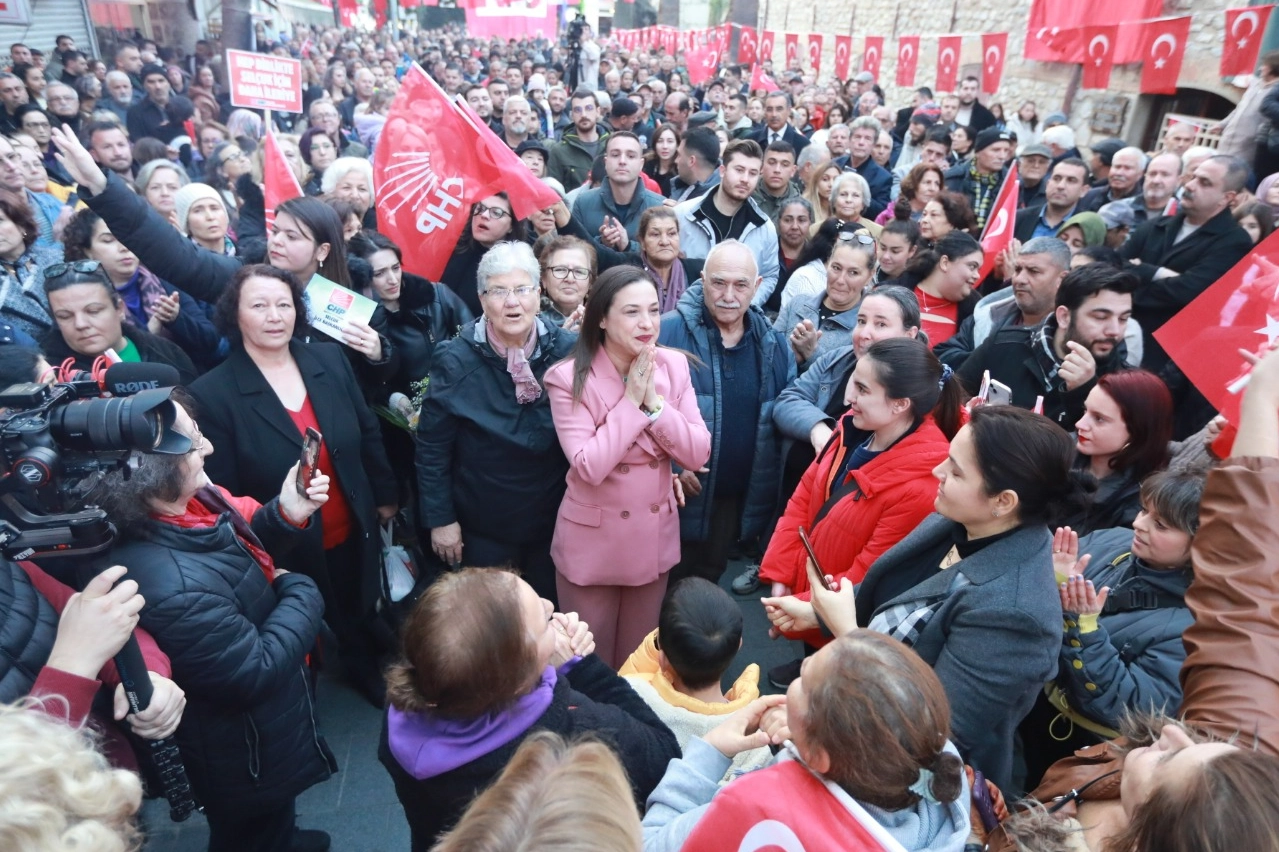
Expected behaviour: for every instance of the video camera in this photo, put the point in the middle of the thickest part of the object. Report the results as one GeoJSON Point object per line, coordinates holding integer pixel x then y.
{"type": "Point", "coordinates": [56, 443]}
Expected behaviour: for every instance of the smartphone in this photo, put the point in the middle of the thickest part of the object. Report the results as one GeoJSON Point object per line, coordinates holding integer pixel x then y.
{"type": "Point", "coordinates": [808, 545]}
{"type": "Point", "coordinates": [309, 460]}
{"type": "Point", "coordinates": [1000, 393]}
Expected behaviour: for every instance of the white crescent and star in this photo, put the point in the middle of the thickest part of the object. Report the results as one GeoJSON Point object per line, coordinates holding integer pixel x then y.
{"type": "Point", "coordinates": [999, 225]}
{"type": "Point", "coordinates": [907, 52]}
{"type": "Point", "coordinates": [1168, 39]}
{"type": "Point", "coordinates": [992, 63]}
{"type": "Point", "coordinates": [946, 63]}
{"type": "Point", "coordinates": [1103, 40]}
{"type": "Point", "coordinates": [872, 57]}
{"type": "Point", "coordinates": [1271, 331]}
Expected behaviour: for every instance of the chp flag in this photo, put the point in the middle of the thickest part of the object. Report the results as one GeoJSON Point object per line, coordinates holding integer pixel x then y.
{"type": "Point", "coordinates": [907, 59]}
{"type": "Point", "coordinates": [1244, 29]}
{"type": "Point", "coordinates": [997, 235]}
{"type": "Point", "coordinates": [1165, 48]}
{"type": "Point", "coordinates": [428, 172]}
{"type": "Point", "coordinates": [1239, 311]}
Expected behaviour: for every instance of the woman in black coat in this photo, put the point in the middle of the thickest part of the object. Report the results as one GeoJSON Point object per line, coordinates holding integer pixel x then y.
{"type": "Point", "coordinates": [237, 630]}
{"type": "Point", "coordinates": [492, 221]}
{"type": "Point", "coordinates": [255, 408]}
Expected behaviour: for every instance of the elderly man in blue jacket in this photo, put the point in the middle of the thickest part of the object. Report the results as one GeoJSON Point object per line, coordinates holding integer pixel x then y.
{"type": "Point", "coordinates": [744, 365]}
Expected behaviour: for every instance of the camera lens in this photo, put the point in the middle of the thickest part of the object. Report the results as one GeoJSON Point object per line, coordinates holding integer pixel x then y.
{"type": "Point", "coordinates": [142, 422]}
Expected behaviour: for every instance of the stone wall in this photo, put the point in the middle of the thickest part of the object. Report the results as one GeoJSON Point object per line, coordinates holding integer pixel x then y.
{"type": "Point", "coordinates": [1049, 84]}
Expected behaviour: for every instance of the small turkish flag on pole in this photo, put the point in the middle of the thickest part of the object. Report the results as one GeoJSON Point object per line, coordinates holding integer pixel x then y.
{"type": "Point", "coordinates": [747, 46]}
{"type": "Point", "coordinates": [815, 53]}
{"type": "Point", "coordinates": [761, 81]}
{"type": "Point", "coordinates": [998, 233]}
{"type": "Point", "coordinates": [1244, 29]}
{"type": "Point", "coordinates": [994, 47]}
{"type": "Point", "coordinates": [872, 55]}
{"type": "Point", "coordinates": [1099, 56]}
{"type": "Point", "coordinates": [1165, 48]}
{"type": "Point", "coordinates": [907, 59]}
{"type": "Point", "coordinates": [948, 48]}
{"type": "Point", "coordinates": [1239, 311]}
{"type": "Point", "coordinates": [843, 52]}
{"type": "Point", "coordinates": [766, 43]}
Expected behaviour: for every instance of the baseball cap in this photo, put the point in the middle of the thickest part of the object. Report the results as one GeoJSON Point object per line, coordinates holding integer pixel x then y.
{"type": "Point", "coordinates": [1036, 149]}
{"type": "Point", "coordinates": [864, 77]}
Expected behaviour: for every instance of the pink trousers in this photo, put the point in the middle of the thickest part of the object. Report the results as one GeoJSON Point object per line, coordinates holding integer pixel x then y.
{"type": "Point", "coordinates": [619, 616]}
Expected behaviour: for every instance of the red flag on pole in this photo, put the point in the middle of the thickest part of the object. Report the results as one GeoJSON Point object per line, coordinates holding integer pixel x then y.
{"type": "Point", "coordinates": [428, 171]}
{"type": "Point", "coordinates": [815, 52]}
{"type": "Point", "coordinates": [279, 183]}
{"type": "Point", "coordinates": [528, 194]}
{"type": "Point", "coordinates": [907, 59]}
{"type": "Point", "coordinates": [1244, 29]}
{"type": "Point", "coordinates": [761, 81]}
{"type": "Point", "coordinates": [766, 42]}
{"type": "Point", "coordinates": [997, 235]}
{"type": "Point", "coordinates": [994, 47]}
{"type": "Point", "coordinates": [792, 49]}
{"type": "Point", "coordinates": [1099, 56]}
{"type": "Point", "coordinates": [1239, 311]}
{"type": "Point", "coordinates": [872, 55]}
{"type": "Point", "coordinates": [1165, 48]}
{"type": "Point", "coordinates": [948, 48]}
{"type": "Point", "coordinates": [843, 53]}
{"type": "Point", "coordinates": [702, 63]}
{"type": "Point", "coordinates": [747, 46]}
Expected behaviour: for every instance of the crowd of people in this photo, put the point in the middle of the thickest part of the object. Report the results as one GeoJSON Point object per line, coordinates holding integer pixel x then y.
{"type": "Point", "coordinates": [1031, 580]}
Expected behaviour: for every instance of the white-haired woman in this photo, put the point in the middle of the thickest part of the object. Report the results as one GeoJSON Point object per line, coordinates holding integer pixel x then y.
{"type": "Point", "coordinates": [351, 179]}
{"type": "Point", "coordinates": [849, 198]}
{"type": "Point", "coordinates": [489, 465]}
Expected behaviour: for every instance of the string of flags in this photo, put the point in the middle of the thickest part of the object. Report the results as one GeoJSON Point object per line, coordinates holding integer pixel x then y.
{"type": "Point", "coordinates": [1159, 44]}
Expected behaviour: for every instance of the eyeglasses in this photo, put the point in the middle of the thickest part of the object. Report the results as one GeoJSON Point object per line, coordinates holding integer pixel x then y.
{"type": "Point", "coordinates": [501, 294]}
{"type": "Point", "coordinates": [83, 267]}
{"type": "Point", "coordinates": [237, 155]}
{"type": "Point", "coordinates": [861, 237]}
{"type": "Point", "coordinates": [197, 440]}
{"type": "Point", "coordinates": [496, 213]}
{"type": "Point", "coordinates": [562, 272]}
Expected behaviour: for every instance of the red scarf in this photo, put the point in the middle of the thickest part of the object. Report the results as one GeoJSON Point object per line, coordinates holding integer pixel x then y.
{"type": "Point", "coordinates": [208, 506]}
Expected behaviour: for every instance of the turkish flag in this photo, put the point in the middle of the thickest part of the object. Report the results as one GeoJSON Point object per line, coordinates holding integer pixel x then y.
{"type": "Point", "coordinates": [347, 10]}
{"type": "Point", "coordinates": [873, 55]}
{"type": "Point", "coordinates": [997, 235]}
{"type": "Point", "coordinates": [747, 46]}
{"type": "Point", "coordinates": [994, 47]}
{"type": "Point", "coordinates": [948, 48]}
{"type": "Point", "coordinates": [1165, 48]}
{"type": "Point", "coordinates": [428, 172]}
{"type": "Point", "coordinates": [792, 49]}
{"type": "Point", "coordinates": [1099, 56]}
{"type": "Point", "coordinates": [279, 183]}
{"type": "Point", "coordinates": [1244, 29]}
{"type": "Point", "coordinates": [907, 59]}
{"type": "Point", "coordinates": [843, 53]}
{"type": "Point", "coordinates": [761, 81]}
{"type": "Point", "coordinates": [815, 53]}
{"type": "Point", "coordinates": [1055, 28]}
{"type": "Point", "coordinates": [1239, 311]}
{"type": "Point", "coordinates": [766, 42]}
{"type": "Point", "coordinates": [702, 63]}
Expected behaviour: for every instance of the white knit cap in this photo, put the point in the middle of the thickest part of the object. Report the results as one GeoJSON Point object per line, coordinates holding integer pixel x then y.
{"type": "Point", "coordinates": [188, 195]}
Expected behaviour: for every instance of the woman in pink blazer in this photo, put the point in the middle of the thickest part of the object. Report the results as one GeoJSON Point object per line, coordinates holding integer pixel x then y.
{"type": "Point", "coordinates": [624, 410]}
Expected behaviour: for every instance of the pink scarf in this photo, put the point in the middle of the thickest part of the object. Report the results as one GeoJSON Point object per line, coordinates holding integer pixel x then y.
{"type": "Point", "coordinates": [526, 387]}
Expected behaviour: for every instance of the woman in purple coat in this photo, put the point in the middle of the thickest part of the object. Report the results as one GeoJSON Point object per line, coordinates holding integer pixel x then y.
{"type": "Point", "coordinates": [624, 410]}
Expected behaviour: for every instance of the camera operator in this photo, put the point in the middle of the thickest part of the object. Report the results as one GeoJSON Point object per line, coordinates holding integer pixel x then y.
{"type": "Point", "coordinates": [56, 645]}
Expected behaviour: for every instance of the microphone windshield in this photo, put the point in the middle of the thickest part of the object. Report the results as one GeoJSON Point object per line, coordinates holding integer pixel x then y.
{"type": "Point", "coordinates": [129, 377]}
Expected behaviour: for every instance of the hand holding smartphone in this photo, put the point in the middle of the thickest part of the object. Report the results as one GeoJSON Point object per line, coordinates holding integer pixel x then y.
{"type": "Point", "coordinates": [808, 546]}
{"type": "Point", "coordinates": [309, 460]}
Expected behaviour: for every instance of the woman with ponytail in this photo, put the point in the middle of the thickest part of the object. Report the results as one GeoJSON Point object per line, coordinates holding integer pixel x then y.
{"type": "Point", "coordinates": [866, 764]}
{"type": "Point", "coordinates": [944, 277]}
{"type": "Point", "coordinates": [972, 589]}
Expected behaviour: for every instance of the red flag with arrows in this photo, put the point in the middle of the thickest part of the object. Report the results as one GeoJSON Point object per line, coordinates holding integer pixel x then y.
{"type": "Point", "coordinates": [1165, 48]}
{"type": "Point", "coordinates": [948, 48]}
{"type": "Point", "coordinates": [997, 235]}
{"type": "Point", "coordinates": [907, 59]}
{"type": "Point", "coordinates": [1239, 311]}
{"type": "Point", "coordinates": [1099, 56]}
{"type": "Point", "coordinates": [843, 52]}
{"type": "Point", "coordinates": [279, 183]}
{"type": "Point", "coordinates": [528, 194]}
{"type": "Point", "coordinates": [1244, 29]}
{"type": "Point", "coordinates": [994, 47]}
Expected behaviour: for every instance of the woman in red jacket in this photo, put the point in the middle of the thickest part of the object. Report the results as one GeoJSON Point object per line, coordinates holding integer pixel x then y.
{"type": "Point", "coordinates": [873, 481]}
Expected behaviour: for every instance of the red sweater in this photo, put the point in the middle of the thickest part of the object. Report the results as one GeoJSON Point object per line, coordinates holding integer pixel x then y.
{"type": "Point", "coordinates": [895, 491]}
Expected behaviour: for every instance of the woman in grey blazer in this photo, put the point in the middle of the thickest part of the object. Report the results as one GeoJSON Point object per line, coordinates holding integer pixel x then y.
{"type": "Point", "coordinates": [972, 589]}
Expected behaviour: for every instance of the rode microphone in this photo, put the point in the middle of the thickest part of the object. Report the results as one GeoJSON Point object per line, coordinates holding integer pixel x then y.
{"type": "Point", "coordinates": [129, 377]}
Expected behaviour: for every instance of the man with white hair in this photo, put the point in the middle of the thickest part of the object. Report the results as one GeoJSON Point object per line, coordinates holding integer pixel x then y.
{"type": "Point", "coordinates": [1126, 168]}
{"type": "Point", "coordinates": [1061, 141]}
{"type": "Point", "coordinates": [120, 95]}
{"type": "Point", "coordinates": [745, 365]}
{"type": "Point", "coordinates": [517, 121]}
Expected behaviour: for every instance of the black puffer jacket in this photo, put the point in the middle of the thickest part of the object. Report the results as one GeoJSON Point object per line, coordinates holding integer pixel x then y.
{"type": "Point", "coordinates": [478, 448]}
{"type": "Point", "coordinates": [238, 647]}
{"type": "Point", "coordinates": [28, 626]}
